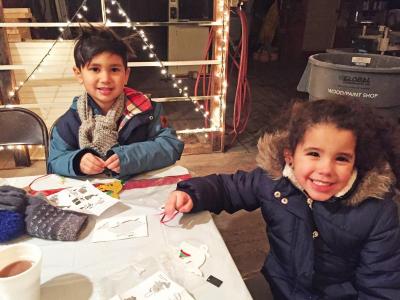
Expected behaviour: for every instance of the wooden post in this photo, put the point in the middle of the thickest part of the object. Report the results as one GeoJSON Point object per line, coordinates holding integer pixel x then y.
{"type": "Point", "coordinates": [220, 52]}
{"type": "Point", "coordinates": [6, 77]}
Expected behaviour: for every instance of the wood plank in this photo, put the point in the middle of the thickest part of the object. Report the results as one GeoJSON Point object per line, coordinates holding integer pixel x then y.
{"type": "Point", "coordinates": [14, 37]}
{"type": "Point", "coordinates": [12, 30]}
{"type": "Point", "coordinates": [20, 13]}
{"type": "Point", "coordinates": [6, 78]}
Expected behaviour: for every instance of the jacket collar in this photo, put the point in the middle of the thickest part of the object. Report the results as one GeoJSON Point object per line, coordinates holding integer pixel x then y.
{"type": "Point", "coordinates": [135, 103]}
{"type": "Point", "coordinates": [375, 183]}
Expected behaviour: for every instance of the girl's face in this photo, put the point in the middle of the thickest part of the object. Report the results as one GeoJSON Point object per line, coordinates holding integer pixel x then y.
{"type": "Point", "coordinates": [323, 161]}
{"type": "Point", "coordinates": [104, 78]}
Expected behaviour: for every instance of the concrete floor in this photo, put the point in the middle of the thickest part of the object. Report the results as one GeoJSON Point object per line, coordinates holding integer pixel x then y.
{"type": "Point", "coordinates": [273, 85]}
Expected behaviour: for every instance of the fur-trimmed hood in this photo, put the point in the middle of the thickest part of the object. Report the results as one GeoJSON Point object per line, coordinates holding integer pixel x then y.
{"type": "Point", "coordinates": [375, 183]}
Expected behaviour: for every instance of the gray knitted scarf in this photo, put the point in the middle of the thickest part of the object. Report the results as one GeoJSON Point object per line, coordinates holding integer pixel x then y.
{"type": "Point", "coordinates": [99, 132]}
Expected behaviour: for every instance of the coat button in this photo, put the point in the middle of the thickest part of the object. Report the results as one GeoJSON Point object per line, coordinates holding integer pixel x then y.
{"type": "Point", "coordinates": [277, 194]}
{"type": "Point", "coordinates": [309, 202]}
{"type": "Point", "coordinates": [315, 234]}
{"type": "Point", "coordinates": [284, 201]}
{"type": "Point", "coordinates": [151, 117]}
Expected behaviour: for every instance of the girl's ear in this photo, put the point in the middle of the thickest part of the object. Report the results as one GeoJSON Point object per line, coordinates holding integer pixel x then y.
{"type": "Point", "coordinates": [287, 154]}
{"type": "Point", "coordinates": [78, 74]}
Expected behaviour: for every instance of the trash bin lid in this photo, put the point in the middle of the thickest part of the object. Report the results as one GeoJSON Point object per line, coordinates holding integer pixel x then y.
{"type": "Point", "coordinates": [357, 62]}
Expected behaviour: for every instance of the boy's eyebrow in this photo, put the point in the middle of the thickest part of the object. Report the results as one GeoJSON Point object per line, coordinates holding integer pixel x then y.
{"type": "Point", "coordinates": [97, 65]}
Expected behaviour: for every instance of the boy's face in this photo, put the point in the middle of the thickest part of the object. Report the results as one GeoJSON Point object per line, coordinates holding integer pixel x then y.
{"type": "Point", "coordinates": [104, 78]}
{"type": "Point", "coordinates": [323, 161]}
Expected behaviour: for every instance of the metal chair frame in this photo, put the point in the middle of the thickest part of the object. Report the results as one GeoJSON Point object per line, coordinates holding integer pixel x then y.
{"type": "Point", "coordinates": [22, 127]}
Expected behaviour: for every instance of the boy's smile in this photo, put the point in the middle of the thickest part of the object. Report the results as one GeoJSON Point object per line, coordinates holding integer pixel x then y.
{"type": "Point", "coordinates": [323, 161]}
{"type": "Point", "coordinates": [104, 78]}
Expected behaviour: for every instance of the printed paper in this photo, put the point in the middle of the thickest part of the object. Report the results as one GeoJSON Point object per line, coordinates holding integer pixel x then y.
{"type": "Point", "coordinates": [85, 199]}
{"type": "Point", "coordinates": [119, 228]}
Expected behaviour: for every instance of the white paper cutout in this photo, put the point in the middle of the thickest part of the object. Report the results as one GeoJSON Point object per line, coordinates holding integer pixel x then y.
{"type": "Point", "coordinates": [193, 257]}
{"type": "Point", "coordinates": [119, 228]}
{"type": "Point", "coordinates": [85, 198]}
{"type": "Point", "coordinates": [157, 287]}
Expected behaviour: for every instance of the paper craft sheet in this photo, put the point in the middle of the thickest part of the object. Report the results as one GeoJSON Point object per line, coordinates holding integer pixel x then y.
{"type": "Point", "coordinates": [118, 228]}
{"type": "Point", "coordinates": [85, 199]}
{"type": "Point", "coordinates": [157, 287]}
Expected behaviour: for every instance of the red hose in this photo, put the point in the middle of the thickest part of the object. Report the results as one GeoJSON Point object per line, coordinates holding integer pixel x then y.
{"type": "Point", "coordinates": [242, 103]}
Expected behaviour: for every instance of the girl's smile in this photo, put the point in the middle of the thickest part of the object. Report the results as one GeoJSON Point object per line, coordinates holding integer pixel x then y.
{"type": "Point", "coordinates": [323, 161]}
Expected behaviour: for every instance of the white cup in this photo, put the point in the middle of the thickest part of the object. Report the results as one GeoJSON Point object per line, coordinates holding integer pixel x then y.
{"type": "Point", "coordinates": [25, 285]}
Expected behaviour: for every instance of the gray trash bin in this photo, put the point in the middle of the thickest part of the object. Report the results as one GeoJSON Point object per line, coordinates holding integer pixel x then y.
{"type": "Point", "coordinates": [374, 79]}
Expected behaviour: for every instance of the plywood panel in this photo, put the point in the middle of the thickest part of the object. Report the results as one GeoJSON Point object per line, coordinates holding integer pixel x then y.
{"type": "Point", "coordinates": [50, 91]}
{"type": "Point", "coordinates": [320, 27]}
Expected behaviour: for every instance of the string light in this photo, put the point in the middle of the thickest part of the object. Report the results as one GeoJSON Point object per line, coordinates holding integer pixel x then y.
{"type": "Point", "coordinates": [150, 48]}
{"type": "Point", "coordinates": [177, 84]}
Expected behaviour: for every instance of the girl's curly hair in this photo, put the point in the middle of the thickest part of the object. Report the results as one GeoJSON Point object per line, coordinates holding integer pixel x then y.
{"type": "Point", "coordinates": [377, 139]}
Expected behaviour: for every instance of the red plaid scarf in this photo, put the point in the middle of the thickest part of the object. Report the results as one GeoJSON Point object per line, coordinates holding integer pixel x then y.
{"type": "Point", "coordinates": [135, 103]}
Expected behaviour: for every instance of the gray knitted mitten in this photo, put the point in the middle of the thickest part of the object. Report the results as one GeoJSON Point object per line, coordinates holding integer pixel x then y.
{"type": "Point", "coordinates": [48, 222]}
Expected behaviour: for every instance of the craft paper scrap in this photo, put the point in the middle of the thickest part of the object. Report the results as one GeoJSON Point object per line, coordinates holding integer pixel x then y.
{"type": "Point", "coordinates": [85, 199]}
{"type": "Point", "coordinates": [119, 228]}
{"type": "Point", "coordinates": [157, 287]}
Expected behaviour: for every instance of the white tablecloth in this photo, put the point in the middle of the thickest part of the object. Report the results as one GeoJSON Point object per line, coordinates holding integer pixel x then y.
{"type": "Point", "coordinates": [85, 270]}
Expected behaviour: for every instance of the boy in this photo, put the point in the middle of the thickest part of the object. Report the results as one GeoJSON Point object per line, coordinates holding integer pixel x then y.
{"type": "Point", "coordinates": [109, 128]}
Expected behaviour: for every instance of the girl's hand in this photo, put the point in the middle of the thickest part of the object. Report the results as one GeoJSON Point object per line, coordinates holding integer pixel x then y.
{"type": "Point", "coordinates": [178, 201]}
{"type": "Point", "coordinates": [91, 164]}
{"type": "Point", "coordinates": [112, 163]}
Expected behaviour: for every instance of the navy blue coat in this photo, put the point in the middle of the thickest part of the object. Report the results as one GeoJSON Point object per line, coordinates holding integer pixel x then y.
{"type": "Point", "coordinates": [344, 248]}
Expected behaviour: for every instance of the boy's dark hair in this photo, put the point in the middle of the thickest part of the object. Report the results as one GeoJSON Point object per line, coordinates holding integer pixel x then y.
{"type": "Point", "coordinates": [95, 40]}
{"type": "Point", "coordinates": [377, 139]}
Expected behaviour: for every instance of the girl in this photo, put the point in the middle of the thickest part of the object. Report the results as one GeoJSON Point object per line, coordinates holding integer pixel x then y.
{"type": "Point", "coordinates": [326, 188]}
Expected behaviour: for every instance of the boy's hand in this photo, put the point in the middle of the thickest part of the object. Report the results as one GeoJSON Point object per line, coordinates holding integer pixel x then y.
{"type": "Point", "coordinates": [178, 201]}
{"type": "Point", "coordinates": [112, 163]}
{"type": "Point", "coordinates": [91, 164]}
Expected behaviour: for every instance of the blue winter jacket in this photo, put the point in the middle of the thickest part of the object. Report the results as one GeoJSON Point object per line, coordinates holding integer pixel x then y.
{"type": "Point", "coordinates": [344, 248]}
{"type": "Point", "coordinates": [144, 143]}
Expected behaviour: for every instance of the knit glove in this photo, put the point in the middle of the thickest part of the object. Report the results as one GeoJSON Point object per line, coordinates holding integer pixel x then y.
{"type": "Point", "coordinates": [12, 225]}
{"type": "Point", "coordinates": [48, 222]}
{"type": "Point", "coordinates": [12, 199]}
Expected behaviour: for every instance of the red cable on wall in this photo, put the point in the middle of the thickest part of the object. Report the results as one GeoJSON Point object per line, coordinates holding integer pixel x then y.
{"type": "Point", "coordinates": [242, 103]}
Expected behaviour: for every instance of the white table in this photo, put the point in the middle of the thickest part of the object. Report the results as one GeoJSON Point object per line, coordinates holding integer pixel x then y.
{"type": "Point", "coordinates": [85, 270]}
